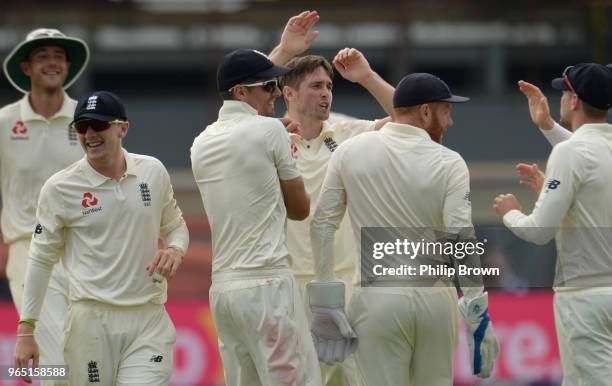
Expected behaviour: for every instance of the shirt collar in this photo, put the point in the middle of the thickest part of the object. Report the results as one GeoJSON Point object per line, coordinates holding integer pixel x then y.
{"type": "Point", "coordinates": [96, 179]}
{"type": "Point", "coordinates": [589, 129]}
{"type": "Point", "coordinates": [232, 108]}
{"type": "Point", "coordinates": [404, 130]}
{"type": "Point", "coordinates": [326, 132]}
{"type": "Point", "coordinates": [28, 114]}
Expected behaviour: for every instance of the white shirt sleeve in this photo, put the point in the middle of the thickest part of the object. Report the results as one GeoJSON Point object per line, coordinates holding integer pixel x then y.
{"type": "Point", "coordinates": [557, 134]}
{"type": "Point", "coordinates": [564, 173]}
{"type": "Point", "coordinates": [45, 250]}
{"type": "Point", "coordinates": [326, 219]}
{"type": "Point", "coordinates": [281, 153]}
{"type": "Point", "coordinates": [173, 230]}
{"type": "Point", "coordinates": [457, 212]}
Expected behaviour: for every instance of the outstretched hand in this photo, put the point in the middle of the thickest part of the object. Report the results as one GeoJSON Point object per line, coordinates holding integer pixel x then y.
{"type": "Point", "coordinates": [538, 105]}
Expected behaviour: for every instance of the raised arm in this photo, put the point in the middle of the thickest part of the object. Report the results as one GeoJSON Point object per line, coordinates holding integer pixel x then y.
{"type": "Point", "coordinates": [353, 66]}
{"type": "Point", "coordinates": [296, 37]}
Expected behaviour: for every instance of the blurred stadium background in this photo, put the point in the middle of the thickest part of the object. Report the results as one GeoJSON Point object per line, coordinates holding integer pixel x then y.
{"type": "Point", "coordinates": [160, 56]}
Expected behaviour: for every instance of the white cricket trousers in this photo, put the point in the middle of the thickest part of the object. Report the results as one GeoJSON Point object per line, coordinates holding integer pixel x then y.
{"type": "Point", "coordinates": [407, 336]}
{"type": "Point", "coordinates": [110, 345]}
{"type": "Point", "coordinates": [583, 319]}
{"type": "Point", "coordinates": [348, 366]}
{"type": "Point", "coordinates": [49, 332]}
{"type": "Point", "coordinates": [263, 332]}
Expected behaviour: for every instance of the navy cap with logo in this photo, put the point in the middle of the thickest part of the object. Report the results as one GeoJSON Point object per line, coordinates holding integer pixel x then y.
{"type": "Point", "coordinates": [101, 106]}
{"type": "Point", "coordinates": [592, 83]}
{"type": "Point", "coordinates": [242, 64]}
{"type": "Point", "coordinates": [420, 88]}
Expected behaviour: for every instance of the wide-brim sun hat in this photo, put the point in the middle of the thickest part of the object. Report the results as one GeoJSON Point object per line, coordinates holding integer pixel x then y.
{"type": "Point", "coordinates": [77, 53]}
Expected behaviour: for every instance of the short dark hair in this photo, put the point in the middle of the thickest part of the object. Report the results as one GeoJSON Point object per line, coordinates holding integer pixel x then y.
{"type": "Point", "coordinates": [302, 66]}
{"type": "Point", "coordinates": [593, 112]}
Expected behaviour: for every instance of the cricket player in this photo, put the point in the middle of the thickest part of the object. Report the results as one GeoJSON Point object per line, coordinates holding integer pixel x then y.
{"type": "Point", "coordinates": [107, 211]}
{"type": "Point", "coordinates": [250, 185]}
{"type": "Point", "coordinates": [572, 208]}
{"type": "Point", "coordinates": [37, 142]}
{"type": "Point", "coordinates": [401, 176]}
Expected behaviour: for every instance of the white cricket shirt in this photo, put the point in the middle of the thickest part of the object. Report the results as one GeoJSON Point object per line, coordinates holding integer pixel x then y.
{"type": "Point", "coordinates": [312, 157]}
{"type": "Point", "coordinates": [395, 177]}
{"type": "Point", "coordinates": [109, 230]}
{"type": "Point", "coordinates": [32, 149]}
{"type": "Point", "coordinates": [574, 208]}
{"type": "Point", "coordinates": [237, 163]}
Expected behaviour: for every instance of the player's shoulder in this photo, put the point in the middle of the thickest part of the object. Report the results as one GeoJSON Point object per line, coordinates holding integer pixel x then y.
{"type": "Point", "coordinates": [66, 175]}
{"type": "Point", "coordinates": [145, 161]}
{"type": "Point", "coordinates": [11, 110]}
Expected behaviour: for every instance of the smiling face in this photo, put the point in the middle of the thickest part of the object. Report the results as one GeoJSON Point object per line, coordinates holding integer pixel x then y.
{"type": "Point", "coordinates": [262, 100]}
{"type": "Point", "coordinates": [47, 67]}
{"type": "Point", "coordinates": [103, 146]}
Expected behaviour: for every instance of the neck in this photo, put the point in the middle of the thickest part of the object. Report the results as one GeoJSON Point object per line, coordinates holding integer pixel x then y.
{"type": "Point", "coordinates": [580, 120]}
{"type": "Point", "coordinates": [114, 167]}
{"type": "Point", "coordinates": [46, 102]}
{"type": "Point", "coordinates": [311, 128]}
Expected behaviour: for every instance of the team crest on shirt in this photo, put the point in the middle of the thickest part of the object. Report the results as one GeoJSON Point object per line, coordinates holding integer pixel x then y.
{"type": "Point", "coordinates": [19, 132]}
{"type": "Point", "coordinates": [145, 193]}
{"type": "Point", "coordinates": [72, 136]}
{"type": "Point", "coordinates": [330, 143]}
{"type": "Point", "coordinates": [90, 204]}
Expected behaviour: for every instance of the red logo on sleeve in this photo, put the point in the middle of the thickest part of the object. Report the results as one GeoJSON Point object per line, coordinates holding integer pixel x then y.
{"type": "Point", "coordinates": [89, 200]}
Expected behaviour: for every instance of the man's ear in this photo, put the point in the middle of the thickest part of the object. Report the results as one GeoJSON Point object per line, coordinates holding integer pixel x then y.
{"type": "Point", "coordinates": [289, 93]}
{"type": "Point", "coordinates": [26, 68]}
{"type": "Point", "coordinates": [125, 126]}
{"type": "Point", "coordinates": [574, 102]}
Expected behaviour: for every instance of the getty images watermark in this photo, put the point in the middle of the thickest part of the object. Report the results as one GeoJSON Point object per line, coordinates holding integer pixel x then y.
{"type": "Point", "coordinates": [422, 257]}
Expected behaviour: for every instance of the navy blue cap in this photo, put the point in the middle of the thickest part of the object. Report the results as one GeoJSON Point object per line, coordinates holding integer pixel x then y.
{"type": "Point", "coordinates": [592, 83]}
{"type": "Point", "coordinates": [100, 105]}
{"type": "Point", "coordinates": [420, 88]}
{"type": "Point", "coordinates": [244, 63]}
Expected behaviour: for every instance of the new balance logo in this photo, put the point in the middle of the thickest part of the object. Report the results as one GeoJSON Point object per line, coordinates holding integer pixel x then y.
{"type": "Point", "coordinates": [553, 184]}
{"type": "Point", "coordinates": [92, 372]}
{"type": "Point", "coordinates": [38, 229]}
{"type": "Point", "coordinates": [145, 193]}
{"type": "Point", "coordinates": [156, 358]}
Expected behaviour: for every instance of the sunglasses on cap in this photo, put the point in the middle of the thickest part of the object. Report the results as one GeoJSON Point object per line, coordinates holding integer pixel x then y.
{"type": "Point", "coordinates": [566, 79]}
{"type": "Point", "coordinates": [268, 85]}
{"type": "Point", "coordinates": [83, 125]}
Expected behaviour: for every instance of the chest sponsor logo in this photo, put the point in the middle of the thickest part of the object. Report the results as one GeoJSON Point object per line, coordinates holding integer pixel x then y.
{"type": "Point", "coordinates": [145, 193]}
{"type": "Point", "coordinates": [330, 143]}
{"type": "Point", "coordinates": [19, 132]}
{"type": "Point", "coordinates": [89, 203]}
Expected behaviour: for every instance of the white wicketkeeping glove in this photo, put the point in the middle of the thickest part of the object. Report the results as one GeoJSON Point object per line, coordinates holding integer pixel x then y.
{"type": "Point", "coordinates": [333, 337]}
{"type": "Point", "coordinates": [484, 348]}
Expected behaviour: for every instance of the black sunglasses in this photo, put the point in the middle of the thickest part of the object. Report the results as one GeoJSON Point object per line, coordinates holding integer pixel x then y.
{"type": "Point", "coordinates": [83, 125]}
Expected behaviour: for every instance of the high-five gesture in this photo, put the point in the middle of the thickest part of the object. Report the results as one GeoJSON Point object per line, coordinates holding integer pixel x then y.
{"type": "Point", "coordinates": [352, 65]}
{"type": "Point", "coordinates": [296, 38]}
{"type": "Point", "coordinates": [538, 105]}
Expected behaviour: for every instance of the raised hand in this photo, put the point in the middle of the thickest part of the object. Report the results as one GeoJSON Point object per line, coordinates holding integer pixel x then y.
{"type": "Point", "coordinates": [538, 105]}
{"type": "Point", "coordinates": [533, 177]}
{"type": "Point", "coordinates": [352, 65]}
